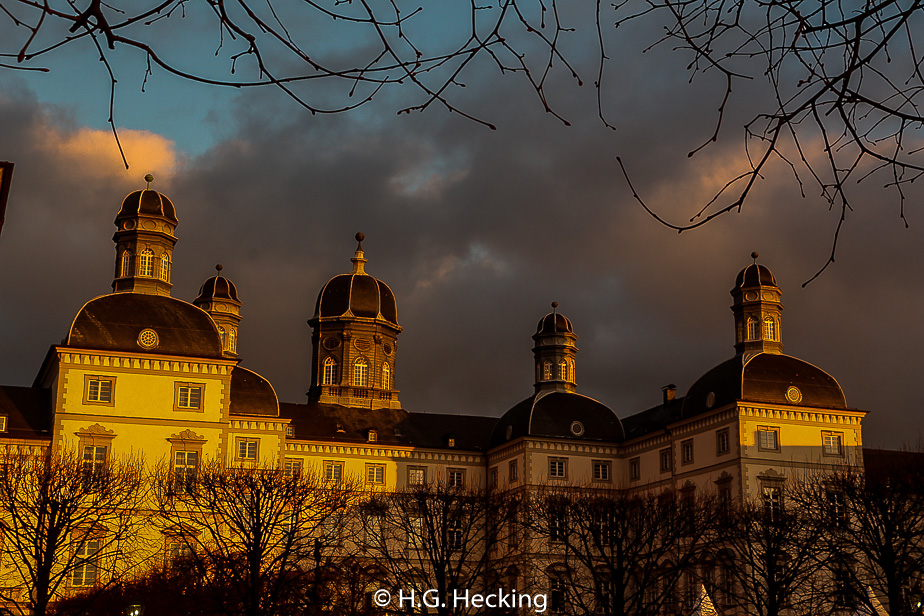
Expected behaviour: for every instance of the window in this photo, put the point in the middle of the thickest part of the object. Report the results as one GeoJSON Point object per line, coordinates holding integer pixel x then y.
{"type": "Point", "coordinates": [185, 464]}
{"type": "Point", "coordinates": [602, 524]}
{"type": "Point", "coordinates": [360, 373]}
{"type": "Point", "coordinates": [772, 495]}
{"type": "Point", "coordinates": [99, 390]}
{"type": "Point", "coordinates": [232, 340]}
{"type": "Point", "coordinates": [686, 451]}
{"type": "Point", "coordinates": [375, 473]}
{"type": "Point", "coordinates": [547, 371]}
{"type": "Point", "coordinates": [247, 448]}
{"type": "Point", "coordinates": [494, 477]}
{"type": "Point", "coordinates": [768, 438]}
{"type": "Point", "coordinates": [94, 461]}
{"type": "Point", "coordinates": [769, 329]}
{"type": "Point", "coordinates": [833, 443]}
{"type": "Point", "coordinates": [454, 534]}
{"type": "Point", "coordinates": [165, 267]}
{"type": "Point", "coordinates": [177, 550]}
{"type": "Point", "coordinates": [837, 507]}
{"type": "Point", "coordinates": [665, 458]}
{"type": "Point", "coordinates": [456, 477]}
{"type": "Point", "coordinates": [146, 263]}
{"type": "Point", "coordinates": [563, 370]}
{"type": "Point", "coordinates": [557, 522]}
{"type": "Point", "coordinates": [127, 263]}
{"type": "Point", "coordinates": [3, 422]}
{"type": "Point", "coordinates": [290, 430]}
{"type": "Point", "coordinates": [570, 378]}
{"type": "Point", "coordinates": [753, 329]}
{"type": "Point", "coordinates": [84, 572]}
{"type": "Point", "coordinates": [722, 445]}
{"type": "Point", "coordinates": [333, 471]}
{"type": "Point", "coordinates": [512, 471]}
{"type": "Point", "coordinates": [558, 468]}
{"type": "Point", "coordinates": [556, 594]}
{"type": "Point", "coordinates": [725, 497]}
{"type": "Point", "coordinates": [386, 377]}
{"type": "Point", "coordinates": [635, 469]}
{"type": "Point", "coordinates": [188, 397]}
{"type": "Point", "coordinates": [293, 467]}
{"type": "Point", "coordinates": [330, 372]}
{"type": "Point", "coordinates": [372, 436]}
{"type": "Point", "coordinates": [416, 476]}
{"type": "Point", "coordinates": [601, 470]}
{"type": "Point", "coordinates": [221, 334]}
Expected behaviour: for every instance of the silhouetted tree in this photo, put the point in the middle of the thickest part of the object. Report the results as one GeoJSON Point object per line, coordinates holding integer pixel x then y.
{"type": "Point", "coordinates": [66, 522]}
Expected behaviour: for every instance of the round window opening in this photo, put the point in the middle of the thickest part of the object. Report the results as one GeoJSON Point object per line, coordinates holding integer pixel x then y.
{"type": "Point", "coordinates": [794, 395]}
{"type": "Point", "coordinates": [148, 338]}
{"type": "Point", "coordinates": [710, 400]}
{"type": "Point", "coordinates": [577, 428]}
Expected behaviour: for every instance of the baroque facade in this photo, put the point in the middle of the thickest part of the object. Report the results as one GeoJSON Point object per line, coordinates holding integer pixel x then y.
{"type": "Point", "coordinates": [143, 372]}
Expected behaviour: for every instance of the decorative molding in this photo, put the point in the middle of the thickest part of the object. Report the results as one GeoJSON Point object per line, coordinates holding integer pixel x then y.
{"type": "Point", "coordinates": [186, 437]}
{"type": "Point", "coordinates": [100, 360]}
{"type": "Point", "coordinates": [95, 431]}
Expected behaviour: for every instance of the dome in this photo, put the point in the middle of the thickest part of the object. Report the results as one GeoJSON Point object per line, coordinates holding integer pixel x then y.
{"type": "Point", "coordinates": [558, 414]}
{"type": "Point", "coordinates": [217, 288]}
{"type": "Point", "coordinates": [251, 394]}
{"type": "Point", "coordinates": [754, 275]}
{"type": "Point", "coordinates": [358, 295]}
{"type": "Point", "coordinates": [554, 322]}
{"type": "Point", "coordinates": [147, 202]}
{"type": "Point", "coordinates": [139, 323]}
{"type": "Point", "coordinates": [770, 378]}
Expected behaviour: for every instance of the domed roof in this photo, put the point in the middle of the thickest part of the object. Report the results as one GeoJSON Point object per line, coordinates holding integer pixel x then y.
{"type": "Point", "coordinates": [554, 322]}
{"type": "Point", "coordinates": [755, 275]}
{"type": "Point", "coordinates": [115, 322]}
{"type": "Point", "coordinates": [558, 414]}
{"type": "Point", "coordinates": [147, 202]}
{"type": "Point", "coordinates": [770, 378]}
{"type": "Point", "coordinates": [357, 294]}
{"type": "Point", "coordinates": [251, 394]}
{"type": "Point", "coordinates": [217, 287]}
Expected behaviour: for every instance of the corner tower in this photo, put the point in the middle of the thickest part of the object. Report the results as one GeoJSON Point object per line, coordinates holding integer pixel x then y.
{"type": "Point", "coordinates": [144, 241]}
{"type": "Point", "coordinates": [555, 353]}
{"type": "Point", "coordinates": [354, 340]}
{"type": "Point", "coordinates": [218, 297]}
{"type": "Point", "coordinates": [758, 311]}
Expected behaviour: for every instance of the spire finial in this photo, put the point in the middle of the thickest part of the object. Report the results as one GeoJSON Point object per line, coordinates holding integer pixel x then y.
{"type": "Point", "coordinates": [218, 269]}
{"type": "Point", "coordinates": [149, 178]}
{"type": "Point", "coordinates": [359, 260]}
{"type": "Point", "coordinates": [754, 256]}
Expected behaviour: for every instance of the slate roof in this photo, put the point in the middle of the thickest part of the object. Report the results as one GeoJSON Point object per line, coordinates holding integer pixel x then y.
{"type": "Point", "coordinates": [28, 411]}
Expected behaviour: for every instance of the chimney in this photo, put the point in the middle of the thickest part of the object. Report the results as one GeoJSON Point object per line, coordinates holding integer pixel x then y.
{"type": "Point", "coordinates": [669, 392]}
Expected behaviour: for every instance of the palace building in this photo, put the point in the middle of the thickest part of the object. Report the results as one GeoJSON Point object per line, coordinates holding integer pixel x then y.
{"type": "Point", "coordinates": [141, 371]}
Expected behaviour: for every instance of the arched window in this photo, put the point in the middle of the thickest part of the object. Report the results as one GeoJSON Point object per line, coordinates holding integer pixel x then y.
{"type": "Point", "coordinates": [386, 377]}
{"type": "Point", "coordinates": [146, 263]}
{"type": "Point", "coordinates": [769, 329]}
{"type": "Point", "coordinates": [570, 371]}
{"type": "Point", "coordinates": [547, 371]}
{"type": "Point", "coordinates": [360, 373]}
{"type": "Point", "coordinates": [127, 263]}
{"type": "Point", "coordinates": [563, 370]}
{"type": "Point", "coordinates": [330, 372]}
{"type": "Point", "coordinates": [165, 267]}
{"type": "Point", "coordinates": [753, 329]}
{"type": "Point", "coordinates": [740, 331]}
{"type": "Point", "coordinates": [232, 340]}
{"type": "Point", "coordinates": [221, 334]}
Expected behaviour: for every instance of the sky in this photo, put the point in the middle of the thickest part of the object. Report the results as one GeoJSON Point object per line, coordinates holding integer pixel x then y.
{"type": "Point", "coordinates": [476, 230]}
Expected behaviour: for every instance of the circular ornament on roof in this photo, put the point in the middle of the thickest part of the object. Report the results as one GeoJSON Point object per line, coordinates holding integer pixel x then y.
{"type": "Point", "coordinates": [577, 428]}
{"type": "Point", "coordinates": [710, 400]}
{"type": "Point", "coordinates": [388, 348]}
{"type": "Point", "coordinates": [794, 395]}
{"type": "Point", "coordinates": [148, 339]}
{"type": "Point", "coordinates": [128, 224]}
{"type": "Point", "coordinates": [750, 296]}
{"type": "Point", "coordinates": [362, 344]}
{"type": "Point", "coordinates": [331, 343]}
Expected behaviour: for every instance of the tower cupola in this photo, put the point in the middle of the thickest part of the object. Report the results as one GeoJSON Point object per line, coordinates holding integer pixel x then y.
{"type": "Point", "coordinates": [354, 340]}
{"type": "Point", "coordinates": [555, 353]}
{"type": "Point", "coordinates": [144, 239]}
{"type": "Point", "coordinates": [218, 297]}
{"type": "Point", "coordinates": [757, 306]}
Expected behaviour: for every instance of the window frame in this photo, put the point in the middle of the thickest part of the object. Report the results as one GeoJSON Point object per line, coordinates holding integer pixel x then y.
{"type": "Point", "coordinates": [127, 266]}
{"type": "Point", "coordinates": [495, 477]}
{"type": "Point", "coordinates": [4, 423]}
{"type": "Point", "coordinates": [246, 440]}
{"type": "Point", "coordinates": [416, 481]}
{"type": "Point", "coordinates": [179, 385]}
{"type": "Point", "coordinates": [360, 372]}
{"type": "Point", "coordinates": [292, 467]}
{"type": "Point", "coordinates": [336, 471]}
{"type": "Point", "coordinates": [722, 448]}
{"type": "Point", "coordinates": [84, 563]}
{"type": "Point", "coordinates": [666, 453]}
{"type": "Point", "coordinates": [825, 434]}
{"type": "Point", "coordinates": [606, 466]}
{"type": "Point", "coordinates": [513, 472]}
{"type": "Point", "coordinates": [377, 472]}
{"type": "Point", "coordinates": [187, 482]}
{"type": "Point", "coordinates": [454, 473]}
{"type": "Point", "coordinates": [553, 462]}
{"type": "Point", "coordinates": [146, 263]}
{"type": "Point", "coordinates": [685, 447]}
{"type": "Point", "coordinates": [330, 372]}
{"type": "Point", "coordinates": [91, 378]}
{"type": "Point", "coordinates": [775, 430]}
{"type": "Point", "coordinates": [635, 468]}
{"type": "Point", "coordinates": [386, 376]}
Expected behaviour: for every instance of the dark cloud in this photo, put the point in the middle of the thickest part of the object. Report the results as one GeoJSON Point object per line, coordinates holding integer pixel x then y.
{"type": "Point", "coordinates": [477, 231]}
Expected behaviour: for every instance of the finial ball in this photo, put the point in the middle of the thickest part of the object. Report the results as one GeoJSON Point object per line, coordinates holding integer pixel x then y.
{"type": "Point", "coordinates": [149, 178]}
{"type": "Point", "coordinates": [554, 304]}
{"type": "Point", "coordinates": [218, 267]}
{"type": "Point", "coordinates": [360, 237]}
{"type": "Point", "coordinates": [754, 255]}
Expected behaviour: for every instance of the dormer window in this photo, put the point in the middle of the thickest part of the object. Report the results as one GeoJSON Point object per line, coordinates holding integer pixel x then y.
{"type": "Point", "coordinates": [373, 436]}
{"type": "Point", "coordinates": [451, 441]}
{"type": "Point", "coordinates": [3, 423]}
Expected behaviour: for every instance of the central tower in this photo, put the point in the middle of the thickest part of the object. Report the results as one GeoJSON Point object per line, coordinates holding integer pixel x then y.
{"type": "Point", "coordinates": [354, 340]}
